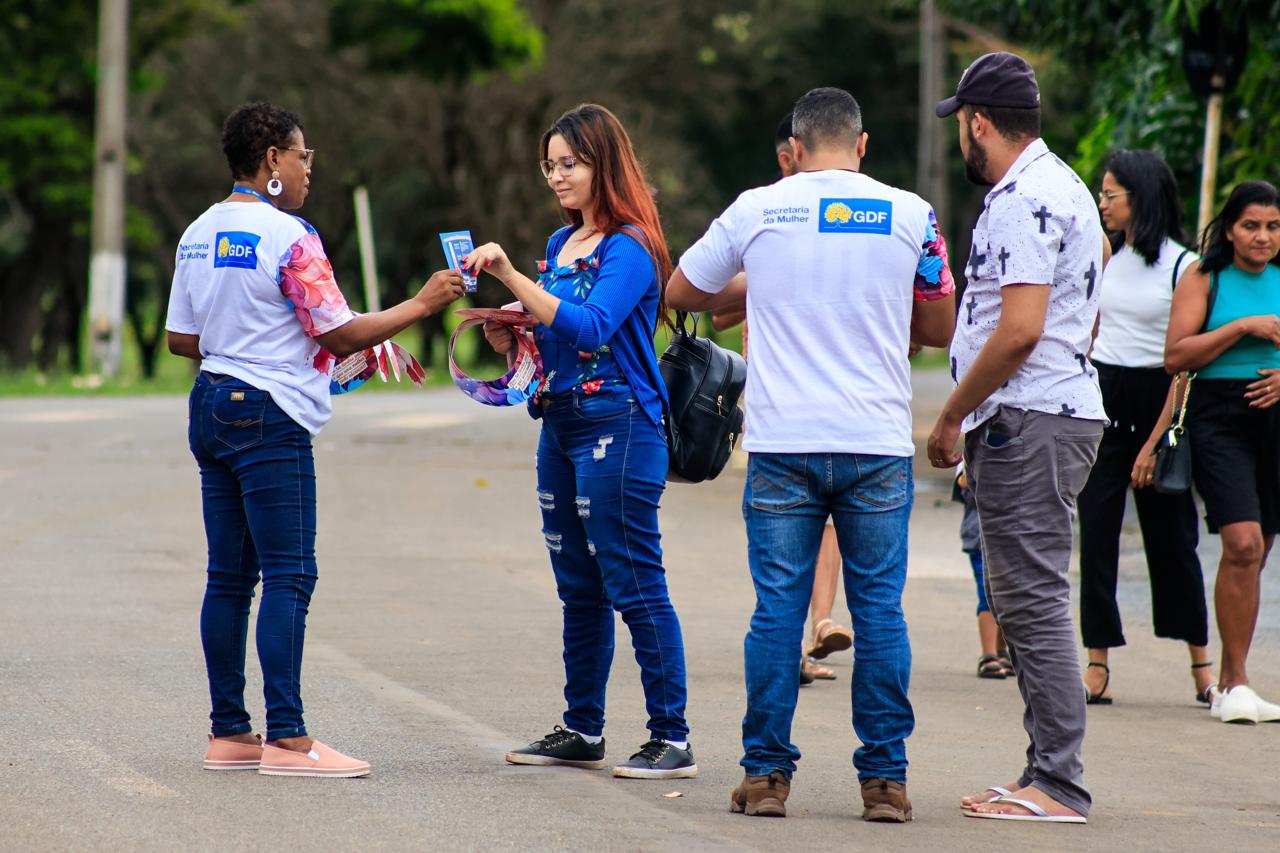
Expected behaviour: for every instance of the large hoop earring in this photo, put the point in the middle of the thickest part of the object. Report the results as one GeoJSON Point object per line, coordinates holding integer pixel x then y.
{"type": "Point", "coordinates": [274, 187]}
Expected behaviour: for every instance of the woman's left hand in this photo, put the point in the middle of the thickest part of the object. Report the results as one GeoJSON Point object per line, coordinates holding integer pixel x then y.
{"type": "Point", "coordinates": [1264, 393]}
{"type": "Point", "coordinates": [1144, 467]}
{"type": "Point", "coordinates": [492, 259]}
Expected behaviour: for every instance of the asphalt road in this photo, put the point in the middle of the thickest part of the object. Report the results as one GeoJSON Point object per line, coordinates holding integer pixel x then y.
{"type": "Point", "coordinates": [433, 646]}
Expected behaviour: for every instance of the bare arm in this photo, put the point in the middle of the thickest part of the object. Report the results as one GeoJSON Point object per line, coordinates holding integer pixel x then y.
{"type": "Point", "coordinates": [727, 318]}
{"type": "Point", "coordinates": [1186, 347]}
{"type": "Point", "coordinates": [1022, 312]}
{"type": "Point", "coordinates": [683, 296]}
{"type": "Point", "coordinates": [933, 322]}
{"type": "Point", "coordinates": [187, 346]}
{"type": "Point", "coordinates": [366, 330]}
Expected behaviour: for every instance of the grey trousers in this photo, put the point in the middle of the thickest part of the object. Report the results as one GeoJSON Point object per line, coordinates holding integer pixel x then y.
{"type": "Point", "coordinates": [1025, 469]}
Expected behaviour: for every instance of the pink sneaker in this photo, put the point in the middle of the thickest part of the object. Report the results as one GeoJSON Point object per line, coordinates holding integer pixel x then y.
{"type": "Point", "coordinates": [320, 761]}
{"type": "Point", "coordinates": [232, 755]}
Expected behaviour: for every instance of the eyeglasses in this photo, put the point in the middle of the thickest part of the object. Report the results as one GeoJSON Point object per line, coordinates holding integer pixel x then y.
{"type": "Point", "coordinates": [308, 156]}
{"type": "Point", "coordinates": [1107, 196]}
{"type": "Point", "coordinates": [563, 167]}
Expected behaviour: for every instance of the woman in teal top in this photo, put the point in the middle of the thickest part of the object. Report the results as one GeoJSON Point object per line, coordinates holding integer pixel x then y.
{"type": "Point", "coordinates": [1225, 326]}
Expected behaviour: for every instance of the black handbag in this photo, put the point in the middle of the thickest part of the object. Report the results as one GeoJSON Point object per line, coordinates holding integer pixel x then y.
{"type": "Point", "coordinates": [1172, 475]}
{"type": "Point", "coordinates": [704, 382]}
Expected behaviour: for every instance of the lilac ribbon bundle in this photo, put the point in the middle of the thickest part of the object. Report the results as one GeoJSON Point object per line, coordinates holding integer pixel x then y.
{"type": "Point", "coordinates": [525, 376]}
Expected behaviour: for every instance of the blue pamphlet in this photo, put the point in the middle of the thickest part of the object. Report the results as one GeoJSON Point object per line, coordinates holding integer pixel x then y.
{"type": "Point", "coordinates": [457, 245]}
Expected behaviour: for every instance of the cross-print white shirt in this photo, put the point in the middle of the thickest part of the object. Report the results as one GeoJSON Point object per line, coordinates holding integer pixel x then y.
{"type": "Point", "coordinates": [1039, 227]}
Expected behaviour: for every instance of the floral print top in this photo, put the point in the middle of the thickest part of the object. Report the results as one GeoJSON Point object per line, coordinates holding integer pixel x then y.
{"type": "Point", "coordinates": [570, 370]}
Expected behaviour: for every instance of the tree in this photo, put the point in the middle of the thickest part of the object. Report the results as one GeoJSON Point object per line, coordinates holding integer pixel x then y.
{"type": "Point", "coordinates": [1128, 57]}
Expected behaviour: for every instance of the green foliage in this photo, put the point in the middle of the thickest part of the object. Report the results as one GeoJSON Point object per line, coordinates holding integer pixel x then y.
{"type": "Point", "coordinates": [1128, 57]}
{"type": "Point", "coordinates": [438, 38]}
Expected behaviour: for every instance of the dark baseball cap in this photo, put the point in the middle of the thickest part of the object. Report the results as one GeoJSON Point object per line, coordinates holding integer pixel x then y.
{"type": "Point", "coordinates": [994, 80]}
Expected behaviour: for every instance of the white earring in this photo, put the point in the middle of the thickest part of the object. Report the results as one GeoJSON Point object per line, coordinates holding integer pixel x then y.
{"type": "Point", "coordinates": [274, 187]}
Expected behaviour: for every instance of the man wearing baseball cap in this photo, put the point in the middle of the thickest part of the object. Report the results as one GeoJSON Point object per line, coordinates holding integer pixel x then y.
{"type": "Point", "coordinates": [1028, 403]}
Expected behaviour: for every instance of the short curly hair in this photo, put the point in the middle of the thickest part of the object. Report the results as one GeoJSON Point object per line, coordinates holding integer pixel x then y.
{"type": "Point", "coordinates": [250, 131]}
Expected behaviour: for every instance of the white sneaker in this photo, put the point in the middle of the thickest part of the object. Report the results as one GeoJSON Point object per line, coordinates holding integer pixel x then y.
{"type": "Point", "coordinates": [1268, 712]}
{"type": "Point", "coordinates": [1239, 705]}
{"type": "Point", "coordinates": [1215, 705]}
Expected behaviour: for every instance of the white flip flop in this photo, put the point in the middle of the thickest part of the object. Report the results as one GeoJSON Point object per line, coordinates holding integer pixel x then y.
{"type": "Point", "coordinates": [1000, 792]}
{"type": "Point", "coordinates": [1037, 815]}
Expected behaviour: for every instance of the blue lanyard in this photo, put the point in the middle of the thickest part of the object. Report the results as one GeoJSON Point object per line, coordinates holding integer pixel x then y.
{"type": "Point", "coordinates": [248, 191]}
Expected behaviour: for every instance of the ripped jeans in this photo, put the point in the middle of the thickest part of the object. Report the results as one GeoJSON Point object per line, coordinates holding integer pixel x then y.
{"type": "Point", "coordinates": [602, 466]}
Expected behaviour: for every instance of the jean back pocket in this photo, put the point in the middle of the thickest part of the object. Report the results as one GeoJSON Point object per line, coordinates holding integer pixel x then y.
{"type": "Point", "coordinates": [778, 482]}
{"type": "Point", "coordinates": [238, 414]}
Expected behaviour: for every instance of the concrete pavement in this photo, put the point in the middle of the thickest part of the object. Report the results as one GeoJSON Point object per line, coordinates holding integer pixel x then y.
{"type": "Point", "coordinates": [433, 646]}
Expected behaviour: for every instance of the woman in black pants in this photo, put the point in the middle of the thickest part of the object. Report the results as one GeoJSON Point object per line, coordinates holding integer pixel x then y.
{"type": "Point", "coordinates": [1141, 210]}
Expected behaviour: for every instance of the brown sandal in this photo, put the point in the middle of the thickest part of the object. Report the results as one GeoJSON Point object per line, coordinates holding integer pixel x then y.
{"type": "Point", "coordinates": [829, 637]}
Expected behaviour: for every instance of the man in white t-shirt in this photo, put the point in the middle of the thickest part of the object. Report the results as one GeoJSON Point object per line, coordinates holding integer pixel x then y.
{"type": "Point", "coordinates": [845, 272]}
{"type": "Point", "coordinates": [1029, 405]}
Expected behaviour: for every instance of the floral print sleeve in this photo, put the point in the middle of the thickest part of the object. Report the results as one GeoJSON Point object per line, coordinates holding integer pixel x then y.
{"type": "Point", "coordinates": [306, 279]}
{"type": "Point", "coordinates": [933, 275]}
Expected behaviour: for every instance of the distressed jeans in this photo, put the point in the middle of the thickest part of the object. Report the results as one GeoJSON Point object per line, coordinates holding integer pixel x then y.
{"type": "Point", "coordinates": [786, 502]}
{"type": "Point", "coordinates": [258, 485]}
{"type": "Point", "coordinates": [602, 466]}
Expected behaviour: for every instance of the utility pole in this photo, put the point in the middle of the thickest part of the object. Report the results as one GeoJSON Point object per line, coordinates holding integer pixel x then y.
{"type": "Point", "coordinates": [107, 262]}
{"type": "Point", "coordinates": [368, 258]}
{"type": "Point", "coordinates": [1209, 170]}
{"type": "Point", "coordinates": [931, 178]}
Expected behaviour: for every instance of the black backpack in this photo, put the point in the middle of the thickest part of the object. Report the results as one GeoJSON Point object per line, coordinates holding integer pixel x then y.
{"type": "Point", "coordinates": [704, 382]}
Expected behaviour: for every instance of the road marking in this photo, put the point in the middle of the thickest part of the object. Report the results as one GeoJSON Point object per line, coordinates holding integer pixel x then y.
{"type": "Point", "coordinates": [113, 772]}
{"type": "Point", "coordinates": [422, 421]}
{"type": "Point", "coordinates": [493, 743]}
{"type": "Point", "coordinates": [69, 416]}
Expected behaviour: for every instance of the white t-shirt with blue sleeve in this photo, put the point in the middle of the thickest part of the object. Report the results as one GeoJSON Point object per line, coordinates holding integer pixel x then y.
{"type": "Point", "coordinates": [254, 283]}
{"type": "Point", "coordinates": [834, 262]}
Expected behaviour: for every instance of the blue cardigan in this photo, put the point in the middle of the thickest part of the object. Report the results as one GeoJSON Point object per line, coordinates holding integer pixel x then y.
{"type": "Point", "coordinates": [620, 311]}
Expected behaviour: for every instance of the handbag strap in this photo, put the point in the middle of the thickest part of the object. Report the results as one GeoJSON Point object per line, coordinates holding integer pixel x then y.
{"type": "Point", "coordinates": [1173, 283]}
{"type": "Point", "coordinates": [1181, 409]}
{"type": "Point", "coordinates": [1213, 297]}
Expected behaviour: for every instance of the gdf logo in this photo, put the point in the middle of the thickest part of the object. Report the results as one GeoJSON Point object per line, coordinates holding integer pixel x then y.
{"type": "Point", "coordinates": [238, 249]}
{"type": "Point", "coordinates": [872, 217]}
{"type": "Point", "coordinates": [855, 216]}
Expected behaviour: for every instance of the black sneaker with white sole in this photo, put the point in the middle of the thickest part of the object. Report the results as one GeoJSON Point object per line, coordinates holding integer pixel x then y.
{"type": "Point", "coordinates": [658, 759]}
{"type": "Point", "coordinates": [561, 747]}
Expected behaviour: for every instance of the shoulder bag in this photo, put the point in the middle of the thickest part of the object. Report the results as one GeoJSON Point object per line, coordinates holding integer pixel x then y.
{"type": "Point", "coordinates": [1172, 475]}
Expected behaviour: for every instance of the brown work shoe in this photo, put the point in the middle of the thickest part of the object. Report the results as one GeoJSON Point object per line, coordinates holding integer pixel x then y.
{"type": "Point", "coordinates": [764, 796]}
{"type": "Point", "coordinates": [886, 801]}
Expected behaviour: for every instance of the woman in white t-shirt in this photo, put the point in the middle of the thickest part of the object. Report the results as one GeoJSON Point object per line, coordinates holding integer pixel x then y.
{"type": "Point", "coordinates": [254, 300]}
{"type": "Point", "coordinates": [1142, 212]}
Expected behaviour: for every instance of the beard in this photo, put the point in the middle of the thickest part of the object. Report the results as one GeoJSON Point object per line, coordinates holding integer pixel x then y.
{"type": "Point", "coordinates": [975, 162]}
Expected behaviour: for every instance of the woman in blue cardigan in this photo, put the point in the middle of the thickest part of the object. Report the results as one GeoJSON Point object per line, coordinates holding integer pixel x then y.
{"type": "Point", "coordinates": [602, 458]}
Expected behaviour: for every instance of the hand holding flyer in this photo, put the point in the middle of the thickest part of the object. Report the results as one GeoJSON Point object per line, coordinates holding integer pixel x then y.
{"type": "Point", "coordinates": [457, 245]}
{"type": "Point", "coordinates": [525, 377]}
{"type": "Point", "coordinates": [382, 360]}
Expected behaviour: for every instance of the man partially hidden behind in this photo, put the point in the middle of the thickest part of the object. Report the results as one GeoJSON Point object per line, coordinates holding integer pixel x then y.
{"type": "Point", "coordinates": [1029, 405]}
{"type": "Point", "coordinates": [844, 272]}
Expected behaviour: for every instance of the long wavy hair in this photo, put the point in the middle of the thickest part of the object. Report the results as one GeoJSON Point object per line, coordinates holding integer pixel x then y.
{"type": "Point", "coordinates": [1216, 251]}
{"type": "Point", "coordinates": [619, 187]}
{"type": "Point", "coordinates": [1153, 200]}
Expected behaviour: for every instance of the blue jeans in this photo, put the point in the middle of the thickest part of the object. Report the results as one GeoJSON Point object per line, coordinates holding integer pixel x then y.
{"type": "Point", "coordinates": [787, 500]}
{"type": "Point", "coordinates": [975, 563]}
{"type": "Point", "coordinates": [602, 466]}
{"type": "Point", "coordinates": [258, 484]}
